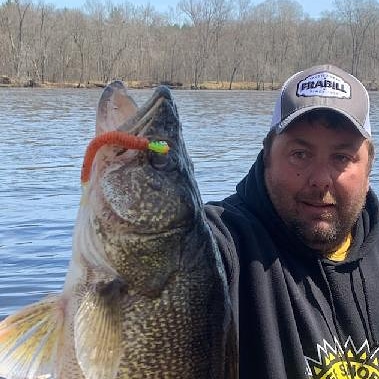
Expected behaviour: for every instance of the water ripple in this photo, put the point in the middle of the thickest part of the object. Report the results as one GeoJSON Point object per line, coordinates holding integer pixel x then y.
{"type": "Point", "coordinates": [44, 135]}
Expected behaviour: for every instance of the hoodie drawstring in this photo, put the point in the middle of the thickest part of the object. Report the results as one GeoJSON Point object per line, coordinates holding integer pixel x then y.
{"type": "Point", "coordinates": [373, 341]}
{"type": "Point", "coordinates": [334, 319]}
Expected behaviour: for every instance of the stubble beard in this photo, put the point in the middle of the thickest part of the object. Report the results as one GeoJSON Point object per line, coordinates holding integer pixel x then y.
{"type": "Point", "coordinates": [326, 234]}
{"type": "Point", "coordinates": [323, 239]}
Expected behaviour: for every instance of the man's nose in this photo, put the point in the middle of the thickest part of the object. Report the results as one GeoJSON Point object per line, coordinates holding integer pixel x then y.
{"type": "Point", "coordinates": [320, 176]}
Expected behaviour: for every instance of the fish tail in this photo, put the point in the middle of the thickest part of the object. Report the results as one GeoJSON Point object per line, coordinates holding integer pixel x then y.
{"type": "Point", "coordinates": [30, 339]}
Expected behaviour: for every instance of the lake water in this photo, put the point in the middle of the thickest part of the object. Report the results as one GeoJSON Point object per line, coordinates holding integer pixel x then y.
{"type": "Point", "coordinates": [44, 134]}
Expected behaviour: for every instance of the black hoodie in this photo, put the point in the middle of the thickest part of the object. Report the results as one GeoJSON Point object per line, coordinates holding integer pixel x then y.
{"type": "Point", "coordinates": [300, 315]}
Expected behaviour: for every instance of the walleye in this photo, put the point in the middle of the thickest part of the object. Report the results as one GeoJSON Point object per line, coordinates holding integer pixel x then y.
{"type": "Point", "coordinates": [146, 293]}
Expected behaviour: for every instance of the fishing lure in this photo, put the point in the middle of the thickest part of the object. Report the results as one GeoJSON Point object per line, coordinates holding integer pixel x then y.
{"type": "Point", "coordinates": [122, 139]}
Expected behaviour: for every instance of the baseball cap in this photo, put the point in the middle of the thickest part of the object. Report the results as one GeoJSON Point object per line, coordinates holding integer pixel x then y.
{"type": "Point", "coordinates": [323, 87]}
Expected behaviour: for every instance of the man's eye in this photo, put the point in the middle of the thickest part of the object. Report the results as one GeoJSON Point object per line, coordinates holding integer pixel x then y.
{"type": "Point", "coordinates": [341, 158]}
{"type": "Point", "coordinates": [299, 158]}
{"type": "Point", "coordinates": [300, 155]}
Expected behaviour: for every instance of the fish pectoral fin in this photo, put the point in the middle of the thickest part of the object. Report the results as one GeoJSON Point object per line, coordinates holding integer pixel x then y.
{"type": "Point", "coordinates": [30, 339]}
{"type": "Point", "coordinates": [97, 332]}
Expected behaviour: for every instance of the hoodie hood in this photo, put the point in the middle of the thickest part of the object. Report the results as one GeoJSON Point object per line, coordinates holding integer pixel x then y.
{"type": "Point", "coordinates": [292, 303]}
{"type": "Point", "coordinates": [252, 190]}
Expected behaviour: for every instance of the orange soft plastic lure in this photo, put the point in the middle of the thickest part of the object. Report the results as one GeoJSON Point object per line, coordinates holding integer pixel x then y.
{"type": "Point", "coordinates": [122, 139]}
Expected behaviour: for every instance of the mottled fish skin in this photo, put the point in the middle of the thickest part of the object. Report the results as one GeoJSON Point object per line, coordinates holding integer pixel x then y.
{"type": "Point", "coordinates": [145, 295]}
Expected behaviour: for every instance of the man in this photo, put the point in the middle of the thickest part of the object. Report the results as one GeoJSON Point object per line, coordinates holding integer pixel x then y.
{"type": "Point", "coordinates": [300, 237]}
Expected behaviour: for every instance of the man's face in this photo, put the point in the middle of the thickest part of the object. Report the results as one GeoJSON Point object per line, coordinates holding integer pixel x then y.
{"type": "Point", "coordinates": [317, 179]}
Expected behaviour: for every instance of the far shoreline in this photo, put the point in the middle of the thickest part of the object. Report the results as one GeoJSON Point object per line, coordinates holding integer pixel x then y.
{"type": "Point", "coordinates": [6, 82]}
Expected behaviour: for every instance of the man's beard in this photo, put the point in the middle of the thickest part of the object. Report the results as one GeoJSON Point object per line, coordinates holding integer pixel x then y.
{"type": "Point", "coordinates": [325, 240]}
{"type": "Point", "coordinates": [332, 228]}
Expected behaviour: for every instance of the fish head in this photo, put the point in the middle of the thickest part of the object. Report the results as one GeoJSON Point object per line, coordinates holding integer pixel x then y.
{"type": "Point", "coordinates": [145, 191]}
{"type": "Point", "coordinates": [141, 203]}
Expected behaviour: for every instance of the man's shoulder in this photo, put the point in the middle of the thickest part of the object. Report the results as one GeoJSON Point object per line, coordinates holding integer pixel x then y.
{"type": "Point", "coordinates": [232, 221]}
{"type": "Point", "coordinates": [231, 211]}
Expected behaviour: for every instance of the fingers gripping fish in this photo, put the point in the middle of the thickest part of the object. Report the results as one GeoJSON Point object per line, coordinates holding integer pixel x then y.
{"type": "Point", "coordinates": [145, 294]}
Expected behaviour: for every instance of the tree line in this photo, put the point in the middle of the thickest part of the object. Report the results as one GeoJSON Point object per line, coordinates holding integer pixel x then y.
{"type": "Point", "coordinates": [224, 41]}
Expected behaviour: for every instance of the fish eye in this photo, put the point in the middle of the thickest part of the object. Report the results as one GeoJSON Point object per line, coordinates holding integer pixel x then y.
{"type": "Point", "coordinates": [162, 162]}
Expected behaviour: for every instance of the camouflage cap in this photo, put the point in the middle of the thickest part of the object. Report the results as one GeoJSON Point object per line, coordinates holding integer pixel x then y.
{"type": "Point", "coordinates": [323, 87]}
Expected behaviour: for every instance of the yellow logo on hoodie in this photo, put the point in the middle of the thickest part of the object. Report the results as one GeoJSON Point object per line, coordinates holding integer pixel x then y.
{"type": "Point", "coordinates": [344, 362]}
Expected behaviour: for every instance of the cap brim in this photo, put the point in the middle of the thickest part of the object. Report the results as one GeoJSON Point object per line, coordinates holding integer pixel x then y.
{"type": "Point", "coordinates": [300, 112]}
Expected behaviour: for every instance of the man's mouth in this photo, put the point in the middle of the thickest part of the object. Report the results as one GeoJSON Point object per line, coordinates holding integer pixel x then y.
{"type": "Point", "coordinates": [316, 210]}
{"type": "Point", "coordinates": [316, 200]}
{"type": "Point", "coordinates": [318, 204]}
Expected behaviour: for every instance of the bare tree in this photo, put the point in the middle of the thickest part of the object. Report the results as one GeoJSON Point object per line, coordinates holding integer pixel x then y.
{"type": "Point", "coordinates": [317, 41]}
{"type": "Point", "coordinates": [207, 18]}
{"type": "Point", "coordinates": [234, 43]}
{"type": "Point", "coordinates": [205, 40]}
{"type": "Point", "coordinates": [12, 18]}
{"type": "Point", "coordinates": [359, 16]}
{"type": "Point", "coordinates": [281, 19]}
{"type": "Point", "coordinates": [170, 57]}
{"type": "Point", "coordinates": [62, 55]}
{"type": "Point", "coordinates": [38, 42]}
{"type": "Point", "coordinates": [80, 37]}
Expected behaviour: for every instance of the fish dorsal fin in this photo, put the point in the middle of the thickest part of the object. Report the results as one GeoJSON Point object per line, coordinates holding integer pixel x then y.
{"type": "Point", "coordinates": [30, 339]}
{"type": "Point", "coordinates": [97, 331]}
{"type": "Point", "coordinates": [115, 108]}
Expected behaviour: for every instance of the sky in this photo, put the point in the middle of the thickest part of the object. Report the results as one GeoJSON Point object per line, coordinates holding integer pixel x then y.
{"type": "Point", "coordinates": [313, 7]}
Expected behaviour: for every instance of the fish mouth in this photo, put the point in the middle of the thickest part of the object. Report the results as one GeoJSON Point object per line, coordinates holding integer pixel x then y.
{"type": "Point", "coordinates": [157, 119]}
